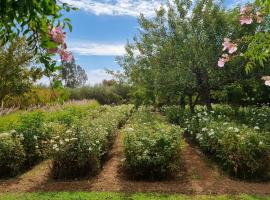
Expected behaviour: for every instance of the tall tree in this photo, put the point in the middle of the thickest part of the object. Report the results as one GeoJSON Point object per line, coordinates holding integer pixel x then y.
{"type": "Point", "coordinates": [16, 73]}
{"type": "Point", "coordinates": [73, 75]}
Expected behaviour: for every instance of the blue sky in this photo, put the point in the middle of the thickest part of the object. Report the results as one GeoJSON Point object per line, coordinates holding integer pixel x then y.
{"type": "Point", "coordinates": [101, 29]}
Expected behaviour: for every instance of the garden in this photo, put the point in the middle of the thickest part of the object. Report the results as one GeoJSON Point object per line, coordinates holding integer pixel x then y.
{"type": "Point", "coordinates": [186, 116]}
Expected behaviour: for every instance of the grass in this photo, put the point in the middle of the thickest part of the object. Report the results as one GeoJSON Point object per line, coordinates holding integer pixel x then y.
{"type": "Point", "coordinates": [118, 196]}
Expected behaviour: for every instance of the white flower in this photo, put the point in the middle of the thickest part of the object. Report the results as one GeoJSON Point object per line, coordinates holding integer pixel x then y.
{"type": "Point", "coordinates": [55, 146]}
{"type": "Point", "coordinates": [260, 143]}
{"type": "Point", "coordinates": [35, 137]}
{"type": "Point", "coordinates": [204, 129]}
{"type": "Point", "coordinates": [236, 130]}
{"type": "Point", "coordinates": [256, 128]}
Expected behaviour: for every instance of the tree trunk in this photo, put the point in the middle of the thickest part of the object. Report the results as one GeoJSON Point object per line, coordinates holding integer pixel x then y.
{"type": "Point", "coordinates": [191, 105]}
{"type": "Point", "coordinates": [207, 99]}
{"type": "Point", "coordinates": [183, 102]}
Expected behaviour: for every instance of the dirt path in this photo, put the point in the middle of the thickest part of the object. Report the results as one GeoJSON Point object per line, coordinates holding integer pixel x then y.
{"type": "Point", "coordinates": [27, 181]}
{"type": "Point", "coordinates": [197, 176]}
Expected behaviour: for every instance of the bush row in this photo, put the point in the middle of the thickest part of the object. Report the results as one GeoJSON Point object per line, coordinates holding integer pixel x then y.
{"type": "Point", "coordinates": [27, 143]}
{"type": "Point", "coordinates": [78, 150]}
{"type": "Point", "coordinates": [240, 150]}
{"type": "Point", "coordinates": [151, 146]}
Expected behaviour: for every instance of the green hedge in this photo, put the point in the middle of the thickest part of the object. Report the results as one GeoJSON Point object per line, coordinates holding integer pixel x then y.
{"type": "Point", "coordinates": [151, 146]}
{"type": "Point", "coordinates": [78, 150]}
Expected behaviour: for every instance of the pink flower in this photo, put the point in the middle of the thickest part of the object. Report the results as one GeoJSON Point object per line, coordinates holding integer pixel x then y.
{"type": "Point", "coordinates": [222, 61]}
{"type": "Point", "coordinates": [246, 20]}
{"type": "Point", "coordinates": [245, 10]}
{"type": "Point", "coordinates": [57, 35]}
{"type": "Point", "coordinates": [267, 80]}
{"type": "Point", "coordinates": [228, 45]}
{"type": "Point", "coordinates": [65, 55]}
{"type": "Point", "coordinates": [53, 51]}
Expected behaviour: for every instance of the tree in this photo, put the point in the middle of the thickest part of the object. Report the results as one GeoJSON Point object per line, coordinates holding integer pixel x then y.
{"type": "Point", "coordinates": [73, 75]}
{"type": "Point", "coordinates": [175, 55]}
{"type": "Point", "coordinates": [16, 73]}
{"type": "Point", "coordinates": [34, 20]}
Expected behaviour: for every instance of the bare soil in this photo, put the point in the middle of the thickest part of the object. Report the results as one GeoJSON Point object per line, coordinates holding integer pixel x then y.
{"type": "Point", "coordinates": [197, 175]}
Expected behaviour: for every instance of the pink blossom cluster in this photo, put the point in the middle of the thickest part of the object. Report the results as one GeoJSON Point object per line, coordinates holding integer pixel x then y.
{"type": "Point", "coordinates": [247, 16]}
{"type": "Point", "coordinates": [227, 46]}
{"type": "Point", "coordinates": [58, 36]}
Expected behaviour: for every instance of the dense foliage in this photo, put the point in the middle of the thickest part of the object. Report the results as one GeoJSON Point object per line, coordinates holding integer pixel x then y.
{"type": "Point", "coordinates": [152, 147]}
{"type": "Point", "coordinates": [78, 150]}
{"type": "Point", "coordinates": [25, 137]}
{"type": "Point", "coordinates": [109, 92]}
{"type": "Point", "coordinates": [242, 150]}
{"type": "Point", "coordinates": [12, 154]}
{"type": "Point", "coordinates": [34, 20]}
{"type": "Point", "coordinates": [173, 60]}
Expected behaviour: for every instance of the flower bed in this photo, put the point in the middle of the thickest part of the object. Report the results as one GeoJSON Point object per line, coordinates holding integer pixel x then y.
{"type": "Point", "coordinates": [151, 146]}
{"type": "Point", "coordinates": [28, 143]}
{"type": "Point", "coordinates": [79, 150]}
{"type": "Point", "coordinates": [241, 150]}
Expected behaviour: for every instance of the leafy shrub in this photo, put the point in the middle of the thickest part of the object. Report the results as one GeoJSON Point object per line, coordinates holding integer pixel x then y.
{"type": "Point", "coordinates": [12, 155]}
{"type": "Point", "coordinates": [72, 112]}
{"type": "Point", "coordinates": [152, 147]}
{"type": "Point", "coordinates": [175, 114]}
{"type": "Point", "coordinates": [104, 94]}
{"type": "Point", "coordinates": [37, 97]}
{"type": "Point", "coordinates": [78, 150]}
{"type": "Point", "coordinates": [242, 151]}
{"type": "Point", "coordinates": [33, 131]}
{"type": "Point", "coordinates": [35, 138]}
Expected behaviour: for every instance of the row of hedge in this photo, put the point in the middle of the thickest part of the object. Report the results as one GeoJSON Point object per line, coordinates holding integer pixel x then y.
{"type": "Point", "coordinates": [27, 143]}
{"type": "Point", "coordinates": [78, 150]}
{"type": "Point", "coordinates": [151, 146]}
{"type": "Point", "coordinates": [243, 151]}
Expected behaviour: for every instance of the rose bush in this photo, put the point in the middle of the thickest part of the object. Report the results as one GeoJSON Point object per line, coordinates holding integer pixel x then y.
{"type": "Point", "coordinates": [151, 146]}
{"type": "Point", "coordinates": [78, 150]}
{"type": "Point", "coordinates": [242, 151]}
{"type": "Point", "coordinates": [12, 155]}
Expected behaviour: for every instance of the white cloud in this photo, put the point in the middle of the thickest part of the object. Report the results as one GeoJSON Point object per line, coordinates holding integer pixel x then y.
{"type": "Point", "coordinates": [88, 48]}
{"type": "Point", "coordinates": [97, 76]}
{"type": "Point", "coordinates": [118, 7]}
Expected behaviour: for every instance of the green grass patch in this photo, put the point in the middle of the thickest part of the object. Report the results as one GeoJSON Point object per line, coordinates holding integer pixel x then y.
{"type": "Point", "coordinates": [118, 196]}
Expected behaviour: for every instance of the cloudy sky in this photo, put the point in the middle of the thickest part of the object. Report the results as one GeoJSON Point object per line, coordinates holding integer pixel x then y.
{"type": "Point", "coordinates": [101, 29]}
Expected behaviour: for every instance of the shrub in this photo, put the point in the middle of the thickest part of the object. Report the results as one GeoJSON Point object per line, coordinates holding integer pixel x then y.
{"type": "Point", "coordinates": [35, 138]}
{"type": "Point", "coordinates": [242, 151]}
{"type": "Point", "coordinates": [104, 94]}
{"type": "Point", "coordinates": [175, 114]}
{"type": "Point", "coordinates": [151, 146]}
{"type": "Point", "coordinates": [78, 150]}
{"type": "Point", "coordinates": [12, 155]}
